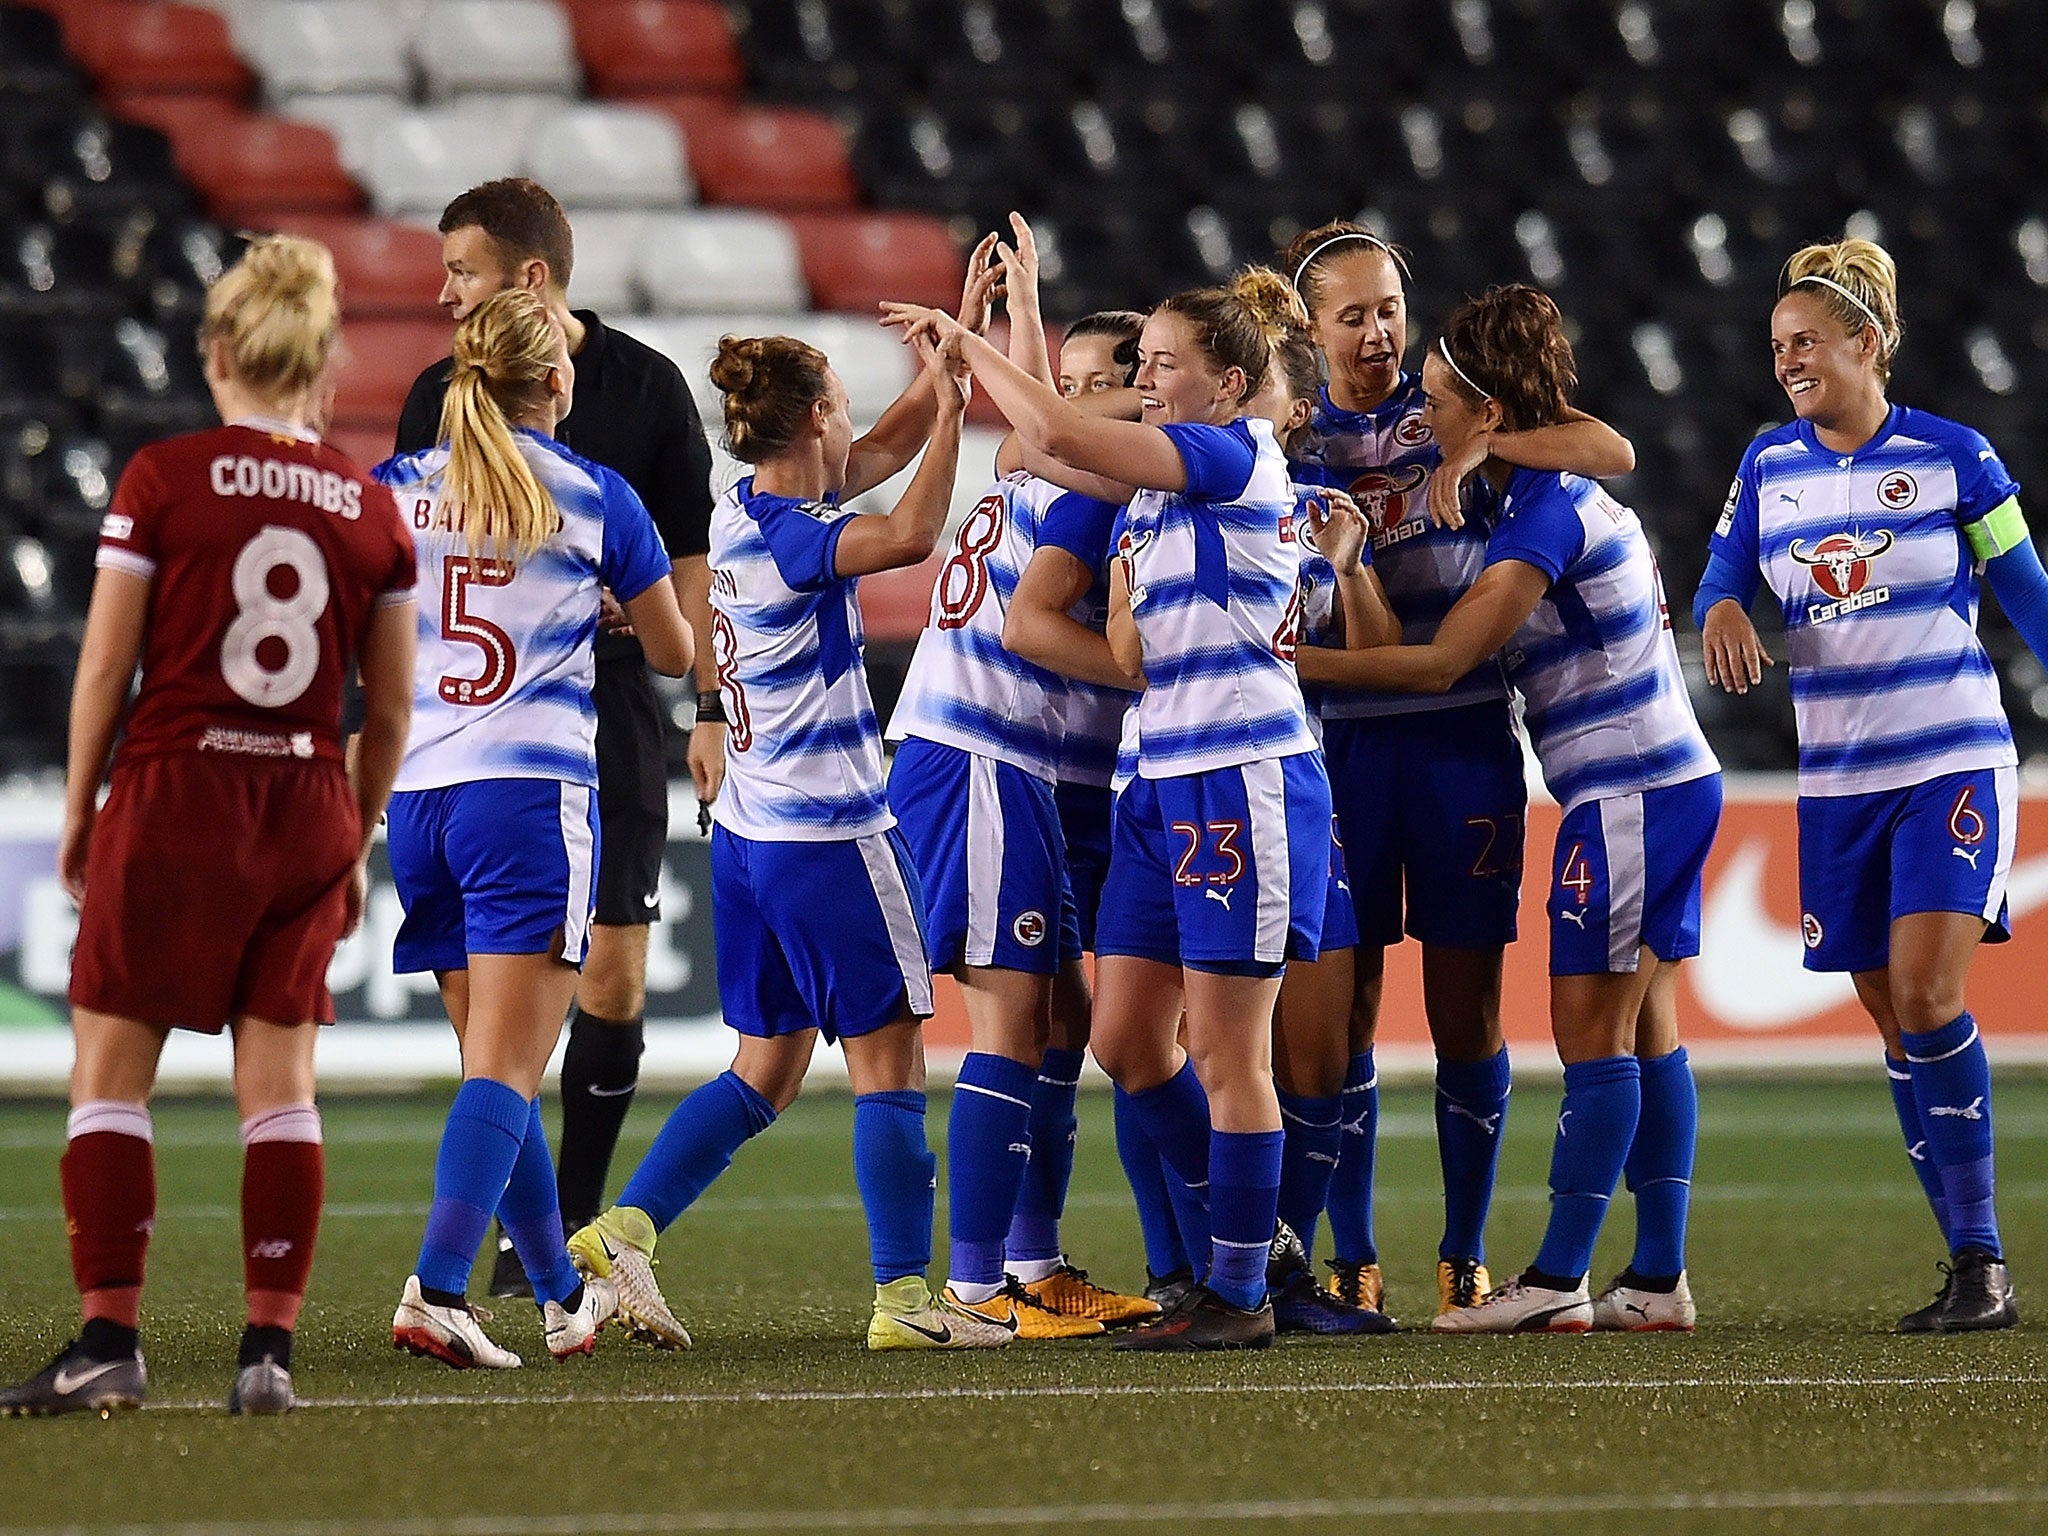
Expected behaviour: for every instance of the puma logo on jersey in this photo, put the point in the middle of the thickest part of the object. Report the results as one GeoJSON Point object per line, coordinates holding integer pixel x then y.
{"type": "Point", "coordinates": [1215, 895]}
{"type": "Point", "coordinates": [1487, 1123]}
{"type": "Point", "coordinates": [1974, 1110]}
{"type": "Point", "coordinates": [1967, 853]}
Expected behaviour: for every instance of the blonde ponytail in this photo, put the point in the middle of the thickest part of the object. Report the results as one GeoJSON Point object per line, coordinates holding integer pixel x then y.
{"type": "Point", "coordinates": [503, 353]}
{"type": "Point", "coordinates": [278, 312]}
{"type": "Point", "coordinates": [1859, 283]}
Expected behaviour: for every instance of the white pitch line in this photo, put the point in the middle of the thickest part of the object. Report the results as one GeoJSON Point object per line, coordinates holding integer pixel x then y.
{"type": "Point", "coordinates": [1176, 1389]}
{"type": "Point", "coordinates": [1223, 1512]}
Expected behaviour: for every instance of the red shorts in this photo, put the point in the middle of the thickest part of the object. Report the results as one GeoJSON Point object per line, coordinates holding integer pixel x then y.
{"type": "Point", "coordinates": [215, 889]}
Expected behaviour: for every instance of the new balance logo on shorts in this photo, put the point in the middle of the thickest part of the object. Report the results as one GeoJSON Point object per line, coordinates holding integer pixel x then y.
{"type": "Point", "coordinates": [271, 1248]}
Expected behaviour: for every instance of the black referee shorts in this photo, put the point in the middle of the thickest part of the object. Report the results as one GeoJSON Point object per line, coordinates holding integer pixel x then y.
{"type": "Point", "coordinates": [632, 792]}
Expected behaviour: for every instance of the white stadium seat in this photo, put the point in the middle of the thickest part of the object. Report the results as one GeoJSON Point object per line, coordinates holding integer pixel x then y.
{"type": "Point", "coordinates": [304, 46]}
{"type": "Point", "coordinates": [603, 275]}
{"type": "Point", "coordinates": [595, 155]}
{"type": "Point", "coordinates": [731, 259]}
{"type": "Point", "coordinates": [420, 160]}
{"type": "Point", "coordinates": [496, 45]}
{"type": "Point", "coordinates": [352, 119]}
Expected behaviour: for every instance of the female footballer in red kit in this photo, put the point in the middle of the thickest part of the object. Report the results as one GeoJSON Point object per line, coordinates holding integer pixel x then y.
{"type": "Point", "coordinates": [245, 568]}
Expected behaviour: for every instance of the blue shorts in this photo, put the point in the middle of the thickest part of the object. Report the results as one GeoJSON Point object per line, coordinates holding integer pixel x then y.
{"type": "Point", "coordinates": [1085, 813]}
{"type": "Point", "coordinates": [824, 936]}
{"type": "Point", "coordinates": [1340, 918]}
{"type": "Point", "coordinates": [1225, 870]}
{"type": "Point", "coordinates": [495, 867]}
{"type": "Point", "coordinates": [1626, 875]}
{"type": "Point", "coordinates": [985, 839]}
{"type": "Point", "coordinates": [1865, 860]}
{"type": "Point", "coordinates": [1433, 807]}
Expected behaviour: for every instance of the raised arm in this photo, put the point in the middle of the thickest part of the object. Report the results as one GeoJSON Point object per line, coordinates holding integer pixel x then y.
{"type": "Point", "coordinates": [1040, 626]}
{"type": "Point", "coordinates": [1019, 264]}
{"type": "Point", "coordinates": [1482, 622]}
{"type": "Point", "coordinates": [1579, 445]}
{"type": "Point", "coordinates": [1129, 452]}
{"type": "Point", "coordinates": [1110, 404]}
{"type": "Point", "coordinates": [904, 428]}
{"type": "Point", "coordinates": [910, 532]}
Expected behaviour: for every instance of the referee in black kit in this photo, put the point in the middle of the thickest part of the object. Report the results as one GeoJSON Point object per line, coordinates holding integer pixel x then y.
{"type": "Point", "coordinates": [633, 414]}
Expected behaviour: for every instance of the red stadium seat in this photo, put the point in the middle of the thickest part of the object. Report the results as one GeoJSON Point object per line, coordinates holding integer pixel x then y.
{"type": "Point", "coordinates": [140, 46]}
{"type": "Point", "coordinates": [652, 47]}
{"type": "Point", "coordinates": [895, 604]}
{"type": "Point", "coordinates": [252, 169]}
{"type": "Point", "coordinates": [380, 359]}
{"type": "Point", "coordinates": [388, 270]}
{"type": "Point", "coordinates": [763, 157]}
{"type": "Point", "coordinates": [853, 261]}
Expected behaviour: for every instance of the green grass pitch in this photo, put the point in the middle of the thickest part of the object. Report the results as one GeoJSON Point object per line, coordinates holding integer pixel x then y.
{"type": "Point", "coordinates": [1791, 1409]}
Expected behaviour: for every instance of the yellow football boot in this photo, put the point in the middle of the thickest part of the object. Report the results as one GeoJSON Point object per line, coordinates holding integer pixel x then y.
{"type": "Point", "coordinates": [908, 1316]}
{"type": "Point", "coordinates": [1071, 1293]}
{"type": "Point", "coordinates": [1357, 1285]}
{"type": "Point", "coordinates": [619, 1247]}
{"type": "Point", "coordinates": [1461, 1282]}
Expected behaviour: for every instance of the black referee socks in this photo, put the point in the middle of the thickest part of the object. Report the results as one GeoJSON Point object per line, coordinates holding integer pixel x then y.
{"type": "Point", "coordinates": [600, 1070]}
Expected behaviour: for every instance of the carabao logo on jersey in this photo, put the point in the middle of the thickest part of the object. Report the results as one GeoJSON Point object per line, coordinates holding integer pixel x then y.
{"type": "Point", "coordinates": [1382, 495]}
{"type": "Point", "coordinates": [1840, 564]}
{"type": "Point", "coordinates": [1898, 490]}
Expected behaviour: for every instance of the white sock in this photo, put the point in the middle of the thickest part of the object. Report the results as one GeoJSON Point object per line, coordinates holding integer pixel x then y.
{"type": "Point", "coordinates": [973, 1295]}
{"type": "Point", "coordinates": [1031, 1271]}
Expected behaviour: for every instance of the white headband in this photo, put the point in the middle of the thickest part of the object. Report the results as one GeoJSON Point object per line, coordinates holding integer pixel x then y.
{"type": "Point", "coordinates": [1829, 282]}
{"type": "Point", "coordinates": [1443, 345]}
{"type": "Point", "coordinates": [1356, 234]}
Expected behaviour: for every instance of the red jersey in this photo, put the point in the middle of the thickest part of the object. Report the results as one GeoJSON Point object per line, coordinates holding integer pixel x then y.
{"type": "Point", "coordinates": [265, 553]}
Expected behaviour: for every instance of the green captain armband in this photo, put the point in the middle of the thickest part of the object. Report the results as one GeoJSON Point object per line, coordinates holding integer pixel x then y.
{"type": "Point", "coordinates": [2003, 528]}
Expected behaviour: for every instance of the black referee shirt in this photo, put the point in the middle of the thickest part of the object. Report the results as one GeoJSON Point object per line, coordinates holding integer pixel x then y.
{"type": "Point", "coordinates": [633, 414]}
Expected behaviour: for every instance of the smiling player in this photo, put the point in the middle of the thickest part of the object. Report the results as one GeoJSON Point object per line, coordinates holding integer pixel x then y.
{"type": "Point", "coordinates": [1871, 522]}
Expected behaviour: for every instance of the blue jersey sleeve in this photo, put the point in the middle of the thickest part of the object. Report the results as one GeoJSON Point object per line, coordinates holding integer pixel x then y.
{"type": "Point", "coordinates": [1539, 525]}
{"type": "Point", "coordinates": [1081, 526]}
{"type": "Point", "coordinates": [1983, 483]}
{"type": "Point", "coordinates": [803, 539]}
{"type": "Point", "coordinates": [1735, 534]}
{"type": "Point", "coordinates": [633, 558]}
{"type": "Point", "coordinates": [1218, 460]}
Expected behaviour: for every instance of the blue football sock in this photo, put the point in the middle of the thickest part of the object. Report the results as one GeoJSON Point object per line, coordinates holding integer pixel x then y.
{"type": "Point", "coordinates": [1602, 1101]}
{"type": "Point", "coordinates": [1147, 1174]}
{"type": "Point", "coordinates": [1244, 1197]}
{"type": "Point", "coordinates": [486, 1127]}
{"type": "Point", "coordinates": [1471, 1119]}
{"type": "Point", "coordinates": [1351, 1185]}
{"type": "Point", "coordinates": [1659, 1166]}
{"type": "Point", "coordinates": [1175, 1116]}
{"type": "Point", "coordinates": [1035, 1230]}
{"type": "Point", "coordinates": [1314, 1135]}
{"type": "Point", "coordinates": [695, 1145]}
{"type": "Point", "coordinates": [532, 1213]}
{"type": "Point", "coordinates": [898, 1179]}
{"type": "Point", "coordinates": [1952, 1082]}
{"type": "Point", "coordinates": [986, 1148]}
{"type": "Point", "coordinates": [1908, 1107]}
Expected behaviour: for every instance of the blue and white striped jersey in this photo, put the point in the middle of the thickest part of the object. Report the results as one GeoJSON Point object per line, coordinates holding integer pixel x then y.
{"type": "Point", "coordinates": [1093, 719]}
{"type": "Point", "coordinates": [1384, 458]}
{"type": "Point", "coordinates": [1879, 588]}
{"type": "Point", "coordinates": [502, 683]}
{"type": "Point", "coordinates": [1602, 693]}
{"type": "Point", "coordinates": [1215, 590]}
{"type": "Point", "coordinates": [1320, 609]}
{"type": "Point", "coordinates": [803, 754]}
{"type": "Point", "coordinates": [963, 689]}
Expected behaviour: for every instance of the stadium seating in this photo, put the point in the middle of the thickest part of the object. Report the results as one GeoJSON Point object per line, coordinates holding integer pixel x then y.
{"type": "Point", "coordinates": [729, 259]}
{"type": "Point", "coordinates": [496, 45]}
{"type": "Point", "coordinates": [326, 46]}
{"type": "Point", "coordinates": [657, 48]}
{"type": "Point", "coordinates": [609, 157]}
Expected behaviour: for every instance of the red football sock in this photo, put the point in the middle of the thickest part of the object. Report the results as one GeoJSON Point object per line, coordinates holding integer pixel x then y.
{"type": "Point", "coordinates": [284, 1174]}
{"type": "Point", "coordinates": [109, 1176]}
